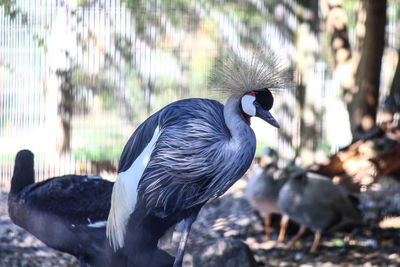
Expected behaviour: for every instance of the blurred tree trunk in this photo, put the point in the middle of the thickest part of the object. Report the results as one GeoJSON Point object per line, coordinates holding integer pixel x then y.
{"type": "Point", "coordinates": [65, 110]}
{"type": "Point", "coordinates": [310, 77]}
{"type": "Point", "coordinates": [359, 76]}
{"type": "Point", "coordinates": [395, 88]}
{"type": "Point", "coordinates": [363, 107]}
{"type": "Point", "coordinates": [336, 25]}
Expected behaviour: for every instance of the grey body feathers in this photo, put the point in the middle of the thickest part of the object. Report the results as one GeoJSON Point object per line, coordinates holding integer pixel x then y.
{"type": "Point", "coordinates": [193, 158]}
{"type": "Point", "coordinates": [263, 188]}
{"type": "Point", "coordinates": [314, 201]}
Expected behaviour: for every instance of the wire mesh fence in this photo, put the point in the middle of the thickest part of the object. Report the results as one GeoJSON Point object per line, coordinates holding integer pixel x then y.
{"type": "Point", "coordinates": [76, 78]}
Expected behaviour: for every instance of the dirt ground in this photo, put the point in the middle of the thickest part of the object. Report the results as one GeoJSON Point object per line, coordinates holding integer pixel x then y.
{"type": "Point", "coordinates": [228, 216]}
{"type": "Point", "coordinates": [376, 248]}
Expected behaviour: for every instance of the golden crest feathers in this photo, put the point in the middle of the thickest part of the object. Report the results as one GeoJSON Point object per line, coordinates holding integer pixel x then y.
{"type": "Point", "coordinates": [235, 75]}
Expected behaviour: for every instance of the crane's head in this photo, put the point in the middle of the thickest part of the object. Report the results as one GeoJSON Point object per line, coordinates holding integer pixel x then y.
{"type": "Point", "coordinates": [250, 78]}
{"type": "Point", "coordinates": [258, 103]}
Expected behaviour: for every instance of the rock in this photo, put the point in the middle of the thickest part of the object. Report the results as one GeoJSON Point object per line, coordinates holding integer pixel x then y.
{"type": "Point", "coordinates": [220, 252]}
{"type": "Point", "coordinates": [298, 256]}
{"type": "Point", "coordinates": [381, 200]}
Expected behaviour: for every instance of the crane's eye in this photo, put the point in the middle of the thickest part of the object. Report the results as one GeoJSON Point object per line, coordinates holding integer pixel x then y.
{"type": "Point", "coordinates": [264, 98]}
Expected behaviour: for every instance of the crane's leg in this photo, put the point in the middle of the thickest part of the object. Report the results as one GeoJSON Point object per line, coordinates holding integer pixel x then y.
{"type": "Point", "coordinates": [301, 231]}
{"type": "Point", "coordinates": [182, 244]}
{"type": "Point", "coordinates": [282, 231]}
{"type": "Point", "coordinates": [317, 238]}
{"type": "Point", "coordinates": [267, 225]}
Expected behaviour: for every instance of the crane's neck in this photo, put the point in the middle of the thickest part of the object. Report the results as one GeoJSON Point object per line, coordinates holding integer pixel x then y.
{"type": "Point", "coordinates": [236, 123]}
{"type": "Point", "coordinates": [241, 146]}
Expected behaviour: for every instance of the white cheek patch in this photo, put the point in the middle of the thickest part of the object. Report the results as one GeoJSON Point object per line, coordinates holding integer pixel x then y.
{"type": "Point", "coordinates": [248, 105]}
{"type": "Point", "coordinates": [124, 195]}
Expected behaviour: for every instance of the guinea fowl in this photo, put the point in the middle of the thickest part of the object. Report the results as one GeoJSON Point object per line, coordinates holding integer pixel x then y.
{"type": "Point", "coordinates": [262, 191]}
{"type": "Point", "coordinates": [314, 201]}
{"type": "Point", "coordinates": [187, 153]}
{"type": "Point", "coordinates": [67, 213]}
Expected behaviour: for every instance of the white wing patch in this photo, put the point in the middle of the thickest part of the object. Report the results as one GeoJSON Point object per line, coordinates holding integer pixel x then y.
{"type": "Point", "coordinates": [248, 105]}
{"type": "Point", "coordinates": [124, 195]}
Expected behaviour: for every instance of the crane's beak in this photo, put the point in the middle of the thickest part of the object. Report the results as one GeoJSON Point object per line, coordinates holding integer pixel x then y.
{"type": "Point", "coordinates": [266, 115]}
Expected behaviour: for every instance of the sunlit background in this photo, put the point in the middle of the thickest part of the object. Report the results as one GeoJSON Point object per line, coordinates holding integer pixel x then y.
{"type": "Point", "coordinates": [77, 77]}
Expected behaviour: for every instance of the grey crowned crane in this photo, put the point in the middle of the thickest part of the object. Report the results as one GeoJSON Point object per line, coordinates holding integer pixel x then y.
{"type": "Point", "coordinates": [185, 154]}
{"type": "Point", "coordinates": [67, 213]}
{"type": "Point", "coordinates": [314, 201]}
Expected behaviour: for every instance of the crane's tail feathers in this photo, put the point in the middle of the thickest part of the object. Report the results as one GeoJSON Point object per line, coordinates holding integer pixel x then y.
{"type": "Point", "coordinates": [118, 217]}
{"type": "Point", "coordinates": [234, 74]}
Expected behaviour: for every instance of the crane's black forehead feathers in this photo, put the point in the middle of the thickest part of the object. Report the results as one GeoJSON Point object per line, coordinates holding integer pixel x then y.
{"type": "Point", "coordinates": [264, 98]}
{"type": "Point", "coordinates": [236, 75]}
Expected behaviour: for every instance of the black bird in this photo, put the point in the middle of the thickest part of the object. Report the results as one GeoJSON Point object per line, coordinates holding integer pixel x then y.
{"type": "Point", "coordinates": [67, 213]}
{"type": "Point", "coordinates": [187, 153]}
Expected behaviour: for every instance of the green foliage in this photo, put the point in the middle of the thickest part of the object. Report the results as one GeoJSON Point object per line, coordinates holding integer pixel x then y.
{"type": "Point", "coordinates": [136, 98]}
{"type": "Point", "coordinates": [40, 41]}
{"type": "Point", "coordinates": [182, 15]}
{"type": "Point", "coordinates": [324, 146]}
{"type": "Point", "coordinates": [98, 153]}
{"type": "Point", "coordinates": [338, 242]}
{"type": "Point", "coordinates": [24, 18]}
{"type": "Point", "coordinates": [261, 145]}
{"type": "Point", "coordinates": [351, 7]}
{"type": "Point", "coordinates": [304, 3]}
{"type": "Point", "coordinates": [11, 10]}
{"type": "Point", "coordinates": [191, 55]}
{"type": "Point", "coordinates": [246, 12]}
{"type": "Point", "coordinates": [6, 68]}
{"type": "Point", "coordinates": [6, 158]}
{"type": "Point", "coordinates": [179, 12]}
{"type": "Point", "coordinates": [123, 45]}
{"type": "Point", "coordinates": [101, 140]}
{"type": "Point", "coordinates": [83, 3]}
